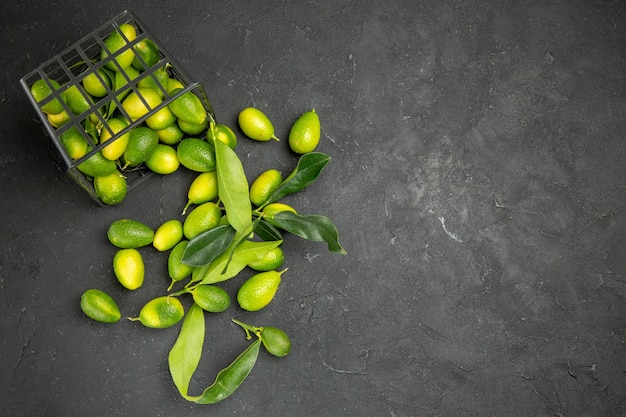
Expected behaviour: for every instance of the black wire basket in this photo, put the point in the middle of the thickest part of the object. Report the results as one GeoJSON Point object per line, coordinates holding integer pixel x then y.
{"type": "Point", "coordinates": [68, 69]}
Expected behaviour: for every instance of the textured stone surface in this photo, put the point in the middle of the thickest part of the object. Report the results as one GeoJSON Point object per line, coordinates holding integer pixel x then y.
{"type": "Point", "coordinates": [477, 181]}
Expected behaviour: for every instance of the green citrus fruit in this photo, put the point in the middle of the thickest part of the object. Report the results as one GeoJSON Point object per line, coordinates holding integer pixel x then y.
{"type": "Point", "coordinates": [170, 135]}
{"type": "Point", "coordinates": [148, 51]}
{"type": "Point", "coordinates": [129, 268]}
{"type": "Point", "coordinates": [264, 185]}
{"type": "Point", "coordinates": [129, 233]}
{"type": "Point", "coordinates": [275, 341]}
{"type": "Point", "coordinates": [259, 290]}
{"type": "Point", "coordinates": [271, 209]}
{"type": "Point", "coordinates": [202, 189]}
{"type": "Point", "coordinates": [273, 260]}
{"type": "Point", "coordinates": [211, 298]}
{"type": "Point", "coordinates": [121, 82]}
{"type": "Point", "coordinates": [304, 135]}
{"type": "Point", "coordinates": [175, 268]}
{"type": "Point", "coordinates": [202, 218]}
{"type": "Point", "coordinates": [117, 147]}
{"type": "Point", "coordinates": [222, 133]}
{"type": "Point", "coordinates": [58, 120]}
{"type": "Point", "coordinates": [142, 142]}
{"type": "Point", "coordinates": [95, 83]}
{"type": "Point", "coordinates": [115, 42]}
{"type": "Point", "coordinates": [174, 84]}
{"type": "Point", "coordinates": [40, 90]}
{"type": "Point", "coordinates": [74, 142]}
{"type": "Point", "coordinates": [157, 81]}
{"type": "Point", "coordinates": [189, 108]}
{"type": "Point", "coordinates": [111, 189]}
{"type": "Point", "coordinates": [192, 128]}
{"type": "Point", "coordinates": [168, 235]}
{"type": "Point", "coordinates": [99, 306]}
{"type": "Point", "coordinates": [76, 101]}
{"type": "Point", "coordinates": [97, 165]}
{"type": "Point", "coordinates": [163, 160]}
{"type": "Point", "coordinates": [196, 154]}
{"type": "Point", "coordinates": [256, 125]}
{"type": "Point", "coordinates": [161, 312]}
{"type": "Point", "coordinates": [139, 103]}
{"type": "Point", "coordinates": [161, 119]}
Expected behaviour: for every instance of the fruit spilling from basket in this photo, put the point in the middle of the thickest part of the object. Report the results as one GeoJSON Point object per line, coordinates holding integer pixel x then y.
{"type": "Point", "coordinates": [118, 106]}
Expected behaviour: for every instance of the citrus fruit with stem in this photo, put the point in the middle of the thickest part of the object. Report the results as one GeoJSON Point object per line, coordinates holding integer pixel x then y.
{"type": "Point", "coordinates": [256, 125]}
{"type": "Point", "coordinates": [202, 189]}
{"type": "Point", "coordinates": [304, 135]}
{"type": "Point", "coordinates": [161, 312]}
{"type": "Point", "coordinates": [259, 290]}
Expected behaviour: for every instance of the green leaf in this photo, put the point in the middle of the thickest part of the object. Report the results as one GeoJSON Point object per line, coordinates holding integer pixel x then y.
{"type": "Point", "coordinates": [311, 227]}
{"type": "Point", "coordinates": [208, 245]}
{"type": "Point", "coordinates": [226, 266]}
{"type": "Point", "coordinates": [92, 130]}
{"type": "Point", "coordinates": [267, 232]}
{"type": "Point", "coordinates": [185, 355]}
{"type": "Point", "coordinates": [231, 377]}
{"type": "Point", "coordinates": [233, 188]}
{"type": "Point", "coordinates": [308, 169]}
{"type": "Point", "coordinates": [239, 238]}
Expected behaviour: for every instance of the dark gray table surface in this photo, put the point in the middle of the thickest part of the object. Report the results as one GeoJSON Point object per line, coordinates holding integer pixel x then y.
{"type": "Point", "coordinates": [477, 181]}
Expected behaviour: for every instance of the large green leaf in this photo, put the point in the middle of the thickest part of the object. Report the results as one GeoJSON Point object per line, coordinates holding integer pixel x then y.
{"type": "Point", "coordinates": [185, 355]}
{"type": "Point", "coordinates": [308, 169]}
{"type": "Point", "coordinates": [233, 188]}
{"type": "Point", "coordinates": [230, 378]}
{"type": "Point", "coordinates": [311, 227]}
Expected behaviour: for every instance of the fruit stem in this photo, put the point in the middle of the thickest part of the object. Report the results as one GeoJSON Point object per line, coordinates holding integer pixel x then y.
{"type": "Point", "coordinates": [275, 138]}
{"type": "Point", "coordinates": [186, 207]}
{"type": "Point", "coordinates": [248, 329]}
{"type": "Point", "coordinates": [181, 292]}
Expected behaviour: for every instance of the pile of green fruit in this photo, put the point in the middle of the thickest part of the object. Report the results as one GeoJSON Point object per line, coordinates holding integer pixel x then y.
{"type": "Point", "coordinates": [129, 98]}
{"type": "Point", "coordinates": [130, 111]}
{"type": "Point", "coordinates": [232, 227]}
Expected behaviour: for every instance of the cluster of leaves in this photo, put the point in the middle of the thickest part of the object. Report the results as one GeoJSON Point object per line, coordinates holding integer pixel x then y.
{"type": "Point", "coordinates": [223, 252]}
